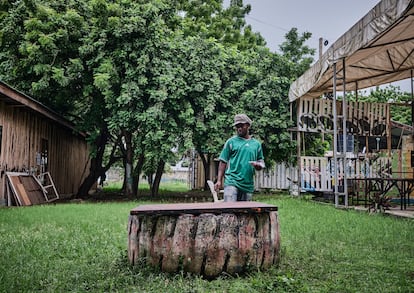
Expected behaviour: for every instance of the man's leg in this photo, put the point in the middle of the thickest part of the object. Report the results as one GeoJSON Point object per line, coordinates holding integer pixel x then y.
{"type": "Point", "coordinates": [230, 193]}
{"type": "Point", "coordinates": [244, 196]}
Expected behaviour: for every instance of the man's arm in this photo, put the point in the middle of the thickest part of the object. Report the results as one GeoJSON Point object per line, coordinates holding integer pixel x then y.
{"type": "Point", "coordinates": [220, 175]}
{"type": "Point", "coordinates": [258, 165]}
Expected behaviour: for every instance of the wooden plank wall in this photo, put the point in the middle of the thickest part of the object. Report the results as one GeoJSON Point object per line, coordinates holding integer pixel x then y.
{"type": "Point", "coordinates": [23, 131]}
{"type": "Point", "coordinates": [366, 119]}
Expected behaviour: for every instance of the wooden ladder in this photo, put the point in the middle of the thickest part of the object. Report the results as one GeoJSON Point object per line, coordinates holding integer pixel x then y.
{"type": "Point", "coordinates": [48, 186]}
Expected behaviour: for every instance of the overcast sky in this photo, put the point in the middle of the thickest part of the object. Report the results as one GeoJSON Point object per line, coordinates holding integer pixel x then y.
{"type": "Point", "coordinates": [328, 19]}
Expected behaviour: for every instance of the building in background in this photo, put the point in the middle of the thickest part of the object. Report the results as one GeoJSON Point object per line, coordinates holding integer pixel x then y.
{"type": "Point", "coordinates": [35, 140]}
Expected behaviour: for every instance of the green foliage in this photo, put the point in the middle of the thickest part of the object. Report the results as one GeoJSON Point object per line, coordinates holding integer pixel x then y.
{"type": "Point", "coordinates": [38, 42]}
{"type": "Point", "coordinates": [264, 99]}
{"type": "Point", "coordinates": [145, 77]}
{"type": "Point", "coordinates": [208, 19]}
{"type": "Point", "coordinates": [296, 52]}
{"type": "Point", "coordinates": [316, 145]}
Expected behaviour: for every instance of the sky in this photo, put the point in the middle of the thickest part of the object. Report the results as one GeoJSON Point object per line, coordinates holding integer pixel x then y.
{"type": "Point", "coordinates": [328, 19]}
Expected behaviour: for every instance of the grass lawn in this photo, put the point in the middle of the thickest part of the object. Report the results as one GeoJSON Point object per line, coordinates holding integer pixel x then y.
{"type": "Point", "coordinates": [82, 247]}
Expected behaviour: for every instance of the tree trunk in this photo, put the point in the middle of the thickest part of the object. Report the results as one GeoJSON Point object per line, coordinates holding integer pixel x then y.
{"type": "Point", "coordinates": [128, 164]}
{"type": "Point", "coordinates": [206, 166]}
{"type": "Point", "coordinates": [95, 169]}
{"type": "Point", "coordinates": [137, 173]}
{"type": "Point", "coordinates": [157, 180]}
{"type": "Point", "coordinates": [206, 239]}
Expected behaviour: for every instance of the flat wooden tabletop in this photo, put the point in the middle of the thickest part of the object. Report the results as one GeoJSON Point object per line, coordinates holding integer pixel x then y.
{"type": "Point", "coordinates": [209, 207]}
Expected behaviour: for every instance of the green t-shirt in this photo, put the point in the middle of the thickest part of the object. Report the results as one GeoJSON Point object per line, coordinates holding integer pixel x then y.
{"type": "Point", "coordinates": [237, 152]}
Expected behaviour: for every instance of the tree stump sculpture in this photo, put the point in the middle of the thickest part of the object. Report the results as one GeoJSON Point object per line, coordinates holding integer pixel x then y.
{"type": "Point", "coordinates": [205, 238]}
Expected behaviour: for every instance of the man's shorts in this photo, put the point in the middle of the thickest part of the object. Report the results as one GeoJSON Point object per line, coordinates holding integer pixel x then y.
{"type": "Point", "coordinates": [232, 193]}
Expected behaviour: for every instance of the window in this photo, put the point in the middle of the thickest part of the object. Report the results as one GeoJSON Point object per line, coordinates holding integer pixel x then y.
{"type": "Point", "coordinates": [43, 155]}
{"type": "Point", "coordinates": [1, 136]}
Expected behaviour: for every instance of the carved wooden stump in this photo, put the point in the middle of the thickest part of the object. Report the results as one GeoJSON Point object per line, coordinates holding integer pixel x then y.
{"type": "Point", "coordinates": [205, 238]}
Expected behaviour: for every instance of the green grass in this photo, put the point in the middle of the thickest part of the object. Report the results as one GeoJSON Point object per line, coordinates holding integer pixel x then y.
{"type": "Point", "coordinates": [82, 248]}
{"type": "Point", "coordinates": [165, 187]}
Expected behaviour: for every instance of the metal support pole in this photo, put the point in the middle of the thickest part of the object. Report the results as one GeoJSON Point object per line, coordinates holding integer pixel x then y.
{"type": "Point", "coordinates": [340, 159]}
{"type": "Point", "coordinates": [335, 140]}
{"type": "Point", "coordinates": [412, 101]}
{"type": "Point", "coordinates": [344, 133]}
{"type": "Point", "coordinates": [298, 148]}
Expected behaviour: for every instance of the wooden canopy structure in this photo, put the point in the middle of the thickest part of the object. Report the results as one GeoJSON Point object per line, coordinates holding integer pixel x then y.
{"type": "Point", "coordinates": [377, 50]}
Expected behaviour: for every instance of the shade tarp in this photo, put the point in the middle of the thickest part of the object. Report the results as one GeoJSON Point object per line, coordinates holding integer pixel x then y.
{"type": "Point", "coordinates": [378, 49]}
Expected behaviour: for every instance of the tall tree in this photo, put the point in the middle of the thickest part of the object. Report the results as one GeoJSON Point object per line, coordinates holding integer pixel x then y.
{"type": "Point", "coordinates": [212, 74]}
{"type": "Point", "coordinates": [217, 68]}
{"type": "Point", "coordinates": [209, 19]}
{"type": "Point", "coordinates": [83, 58]}
{"type": "Point", "coordinates": [133, 49]}
{"type": "Point", "coordinates": [146, 77]}
{"type": "Point", "coordinates": [40, 55]}
{"type": "Point", "coordinates": [298, 55]}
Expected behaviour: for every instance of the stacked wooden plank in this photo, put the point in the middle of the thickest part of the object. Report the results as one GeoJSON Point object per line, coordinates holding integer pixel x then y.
{"type": "Point", "coordinates": [24, 190]}
{"type": "Point", "coordinates": [363, 118]}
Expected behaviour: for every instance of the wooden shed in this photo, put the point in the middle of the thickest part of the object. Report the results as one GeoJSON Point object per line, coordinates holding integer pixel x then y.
{"type": "Point", "coordinates": [35, 140]}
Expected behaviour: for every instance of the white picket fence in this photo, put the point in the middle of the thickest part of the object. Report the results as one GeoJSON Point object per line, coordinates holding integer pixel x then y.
{"type": "Point", "coordinates": [317, 173]}
{"type": "Point", "coordinates": [281, 177]}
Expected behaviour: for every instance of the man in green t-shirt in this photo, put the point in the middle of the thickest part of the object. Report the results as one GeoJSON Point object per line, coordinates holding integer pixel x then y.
{"type": "Point", "coordinates": [240, 157]}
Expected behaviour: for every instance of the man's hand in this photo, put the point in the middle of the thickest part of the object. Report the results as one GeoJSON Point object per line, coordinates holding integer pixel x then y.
{"type": "Point", "coordinates": [258, 165]}
{"type": "Point", "coordinates": [218, 185]}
